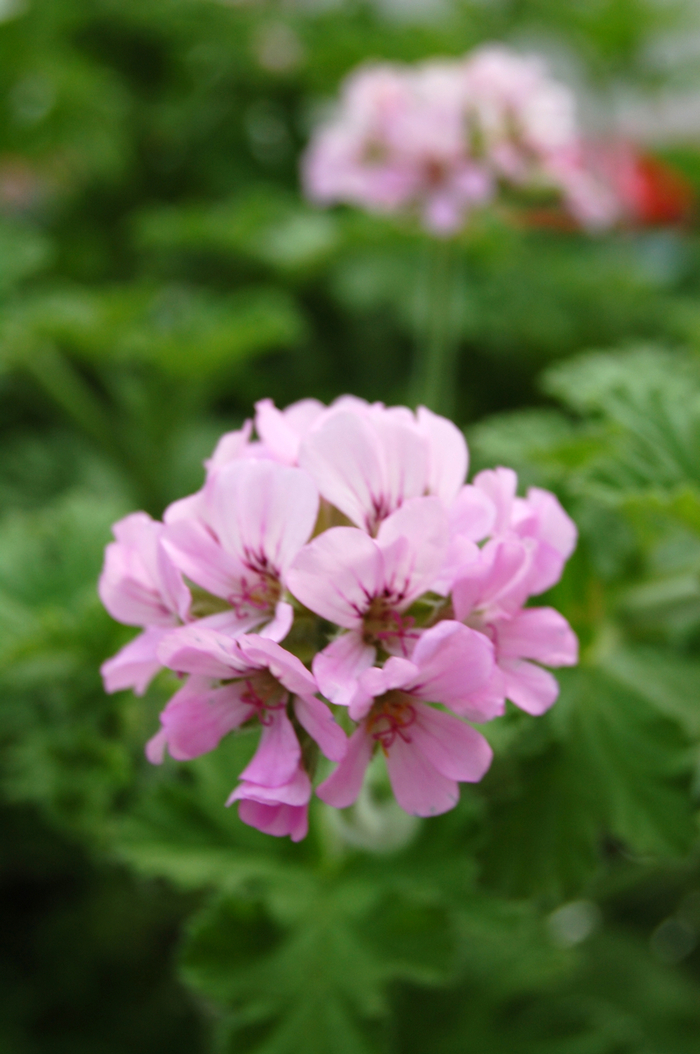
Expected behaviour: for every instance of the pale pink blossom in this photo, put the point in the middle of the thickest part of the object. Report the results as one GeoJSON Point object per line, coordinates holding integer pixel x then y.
{"type": "Point", "coordinates": [538, 517]}
{"type": "Point", "coordinates": [398, 142]}
{"type": "Point", "coordinates": [489, 597]}
{"type": "Point", "coordinates": [428, 752]}
{"type": "Point", "coordinates": [254, 519]}
{"type": "Point", "coordinates": [140, 586]}
{"type": "Point", "coordinates": [280, 810]}
{"type": "Point", "coordinates": [440, 137]}
{"type": "Point", "coordinates": [365, 586]}
{"type": "Point", "coordinates": [423, 602]}
{"type": "Point", "coordinates": [367, 464]}
{"type": "Point", "coordinates": [236, 679]}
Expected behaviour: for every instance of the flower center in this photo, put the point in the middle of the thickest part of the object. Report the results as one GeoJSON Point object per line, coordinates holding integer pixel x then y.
{"type": "Point", "coordinates": [261, 594]}
{"type": "Point", "coordinates": [391, 716]}
{"type": "Point", "coordinates": [264, 695]}
{"type": "Point", "coordinates": [386, 626]}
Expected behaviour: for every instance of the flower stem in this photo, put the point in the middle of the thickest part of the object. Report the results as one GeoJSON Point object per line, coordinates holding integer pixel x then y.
{"type": "Point", "coordinates": [438, 309]}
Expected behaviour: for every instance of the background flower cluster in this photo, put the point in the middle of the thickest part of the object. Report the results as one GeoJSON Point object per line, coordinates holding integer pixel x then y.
{"type": "Point", "coordinates": [443, 137]}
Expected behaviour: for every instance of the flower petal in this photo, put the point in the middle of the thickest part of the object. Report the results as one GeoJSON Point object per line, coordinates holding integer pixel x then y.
{"type": "Point", "coordinates": [455, 749]}
{"type": "Point", "coordinates": [278, 820]}
{"type": "Point", "coordinates": [530, 687]}
{"type": "Point", "coordinates": [448, 455]}
{"type": "Point", "coordinates": [342, 786]}
{"type": "Point", "coordinates": [500, 485]}
{"type": "Point", "coordinates": [337, 575]}
{"type": "Point", "coordinates": [419, 788]}
{"type": "Point", "coordinates": [199, 556]}
{"type": "Point", "coordinates": [339, 665]}
{"type": "Point", "coordinates": [262, 512]}
{"type": "Point", "coordinates": [538, 633]}
{"type": "Point", "coordinates": [198, 649]}
{"type": "Point", "coordinates": [316, 718]}
{"type": "Point", "coordinates": [296, 791]}
{"type": "Point", "coordinates": [136, 664]}
{"type": "Point", "coordinates": [278, 753]}
{"type": "Point", "coordinates": [287, 668]}
{"type": "Point", "coordinates": [198, 717]}
{"type": "Point", "coordinates": [413, 542]}
{"type": "Point", "coordinates": [453, 662]}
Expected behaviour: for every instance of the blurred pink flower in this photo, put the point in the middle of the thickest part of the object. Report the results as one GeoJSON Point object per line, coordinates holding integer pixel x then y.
{"type": "Point", "coordinates": [442, 137]}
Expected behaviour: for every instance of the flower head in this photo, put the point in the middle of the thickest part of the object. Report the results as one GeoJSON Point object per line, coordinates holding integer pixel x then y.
{"type": "Point", "coordinates": [348, 532]}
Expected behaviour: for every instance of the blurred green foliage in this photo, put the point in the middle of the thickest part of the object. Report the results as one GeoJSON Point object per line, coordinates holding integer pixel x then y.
{"type": "Point", "coordinates": [159, 271]}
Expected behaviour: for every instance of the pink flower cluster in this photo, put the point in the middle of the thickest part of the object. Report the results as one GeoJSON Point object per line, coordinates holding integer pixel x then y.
{"type": "Point", "coordinates": [348, 533]}
{"type": "Point", "coordinates": [442, 138]}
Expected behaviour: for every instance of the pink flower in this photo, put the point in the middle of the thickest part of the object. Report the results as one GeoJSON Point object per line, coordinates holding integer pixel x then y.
{"type": "Point", "coordinates": [140, 586]}
{"type": "Point", "coordinates": [365, 585]}
{"type": "Point", "coordinates": [368, 464]}
{"type": "Point", "coordinates": [425, 595]}
{"type": "Point", "coordinates": [538, 517]}
{"type": "Point", "coordinates": [233, 681]}
{"type": "Point", "coordinates": [398, 142]}
{"type": "Point", "coordinates": [489, 598]}
{"type": "Point", "coordinates": [427, 751]}
{"type": "Point", "coordinates": [281, 810]}
{"type": "Point", "coordinates": [439, 138]}
{"type": "Point", "coordinates": [254, 518]}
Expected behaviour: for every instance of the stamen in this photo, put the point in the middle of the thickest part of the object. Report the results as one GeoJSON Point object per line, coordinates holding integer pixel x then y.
{"type": "Point", "coordinates": [390, 718]}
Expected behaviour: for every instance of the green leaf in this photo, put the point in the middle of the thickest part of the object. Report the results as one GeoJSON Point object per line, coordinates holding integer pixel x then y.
{"type": "Point", "coordinates": [611, 761]}
{"type": "Point", "coordinates": [187, 332]}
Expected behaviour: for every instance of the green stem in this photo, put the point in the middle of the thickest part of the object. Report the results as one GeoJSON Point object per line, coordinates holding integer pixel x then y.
{"type": "Point", "coordinates": [434, 379]}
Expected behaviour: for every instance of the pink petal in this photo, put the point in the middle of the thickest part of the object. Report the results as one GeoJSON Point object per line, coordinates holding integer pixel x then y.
{"type": "Point", "coordinates": [499, 580]}
{"type": "Point", "coordinates": [530, 687]}
{"type": "Point", "coordinates": [129, 584]}
{"type": "Point", "coordinates": [342, 786]}
{"type": "Point", "coordinates": [413, 542]}
{"type": "Point", "coordinates": [339, 665]}
{"type": "Point", "coordinates": [462, 555]}
{"type": "Point", "coordinates": [277, 820]}
{"type": "Point", "coordinates": [343, 458]}
{"type": "Point", "coordinates": [198, 649]}
{"type": "Point", "coordinates": [262, 512]}
{"type": "Point", "coordinates": [337, 575]}
{"type": "Point", "coordinates": [538, 633]}
{"type": "Point", "coordinates": [282, 431]}
{"type": "Point", "coordinates": [405, 455]}
{"type": "Point", "coordinates": [278, 754]}
{"type": "Point", "coordinates": [555, 526]}
{"type": "Point", "coordinates": [448, 456]}
{"type": "Point", "coordinates": [156, 746]}
{"type": "Point", "coordinates": [500, 485]}
{"type": "Point", "coordinates": [453, 662]}
{"type": "Point", "coordinates": [230, 447]}
{"type": "Point", "coordinates": [296, 791]}
{"type": "Point", "coordinates": [472, 513]}
{"type": "Point", "coordinates": [396, 673]}
{"type": "Point", "coordinates": [287, 668]}
{"type": "Point", "coordinates": [419, 788]}
{"type": "Point", "coordinates": [136, 664]}
{"type": "Point", "coordinates": [366, 466]}
{"type": "Point", "coordinates": [316, 718]}
{"type": "Point", "coordinates": [189, 508]}
{"type": "Point", "coordinates": [199, 556]}
{"type": "Point", "coordinates": [197, 718]}
{"type": "Point", "coordinates": [456, 750]}
{"type": "Point", "coordinates": [279, 627]}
